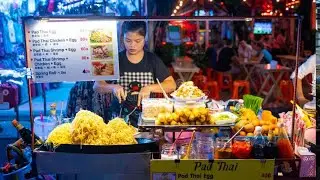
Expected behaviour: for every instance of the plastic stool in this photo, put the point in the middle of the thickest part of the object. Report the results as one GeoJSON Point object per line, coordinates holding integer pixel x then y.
{"type": "Point", "coordinates": [221, 77]}
{"type": "Point", "coordinates": [211, 88]}
{"type": "Point", "coordinates": [236, 85]}
{"type": "Point", "coordinates": [199, 80]}
{"type": "Point", "coordinates": [286, 88]}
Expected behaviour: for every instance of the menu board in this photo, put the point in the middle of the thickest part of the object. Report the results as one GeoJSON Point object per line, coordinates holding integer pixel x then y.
{"type": "Point", "coordinates": [69, 50]}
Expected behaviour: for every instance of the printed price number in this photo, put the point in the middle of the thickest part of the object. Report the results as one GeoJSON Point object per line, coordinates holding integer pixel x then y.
{"type": "Point", "coordinates": [84, 57]}
{"type": "Point", "coordinates": [83, 39]}
{"type": "Point", "coordinates": [84, 49]}
{"type": "Point", "coordinates": [266, 175]}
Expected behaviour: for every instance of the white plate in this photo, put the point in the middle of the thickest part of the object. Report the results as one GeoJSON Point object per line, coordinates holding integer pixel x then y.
{"type": "Point", "coordinates": [232, 118]}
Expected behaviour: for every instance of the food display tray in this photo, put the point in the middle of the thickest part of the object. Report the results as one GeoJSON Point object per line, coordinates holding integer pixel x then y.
{"type": "Point", "coordinates": [148, 125]}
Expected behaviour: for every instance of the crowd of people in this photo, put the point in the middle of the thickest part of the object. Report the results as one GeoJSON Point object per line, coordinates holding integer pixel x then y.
{"type": "Point", "coordinates": [223, 55]}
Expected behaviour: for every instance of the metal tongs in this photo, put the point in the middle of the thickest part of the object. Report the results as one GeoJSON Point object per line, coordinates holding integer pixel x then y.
{"type": "Point", "coordinates": [126, 118]}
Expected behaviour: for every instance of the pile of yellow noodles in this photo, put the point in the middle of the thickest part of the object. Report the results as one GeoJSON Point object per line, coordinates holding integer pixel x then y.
{"type": "Point", "coordinates": [60, 135]}
{"type": "Point", "coordinates": [88, 128]}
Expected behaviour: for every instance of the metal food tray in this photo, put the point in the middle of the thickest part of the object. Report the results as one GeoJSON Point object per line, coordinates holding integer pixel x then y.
{"type": "Point", "coordinates": [148, 125]}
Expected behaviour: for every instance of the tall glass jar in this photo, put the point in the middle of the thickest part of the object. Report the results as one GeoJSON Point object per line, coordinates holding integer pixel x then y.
{"type": "Point", "coordinates": [169, 153]}
{"type": "Point", "coordinates": [205, 145]}
{"type": "Point", "coordinates": [184, 151]}
{"type": "Point", "coordinates": [241, 147]}
{"type": "Point", "coordinates": [223, 150]}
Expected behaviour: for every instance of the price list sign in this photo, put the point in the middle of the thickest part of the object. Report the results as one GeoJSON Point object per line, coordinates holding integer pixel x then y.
{"type": "Point", "coordinates": [64, 50]}
{"type": "Point", "coordinates": [249, 169]}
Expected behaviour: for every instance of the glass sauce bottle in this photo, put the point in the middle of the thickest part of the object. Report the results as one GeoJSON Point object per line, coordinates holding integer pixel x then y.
{"type": "Point", "coordinates": [270, 150]}
{"type": "Point", "coordinates": [285, 149]}
{"type": "Point", "coordinates": [258, 144]}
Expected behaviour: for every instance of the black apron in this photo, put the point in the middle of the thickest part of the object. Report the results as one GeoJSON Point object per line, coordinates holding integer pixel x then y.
{"type": "Point", "coordinates": [132, 82]}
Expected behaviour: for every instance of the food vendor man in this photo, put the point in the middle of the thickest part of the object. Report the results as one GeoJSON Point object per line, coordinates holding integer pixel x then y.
{"type": "Point", "coordinates": [139, 70]}
{"type": "Point", "coordinates": [308, 67]}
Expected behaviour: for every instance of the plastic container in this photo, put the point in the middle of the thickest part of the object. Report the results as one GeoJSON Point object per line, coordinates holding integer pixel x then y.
{"type": "Point", "coordinates": [42, 128]}
{"type": "Point", "coordinates": [273, 64]}
{"type": "Point", "coordinates": [215, 107]}
{"type": "Point", "coordinates": [153, 106]}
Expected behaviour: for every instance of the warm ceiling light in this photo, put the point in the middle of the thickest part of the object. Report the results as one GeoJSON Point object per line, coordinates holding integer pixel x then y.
{"type": "Point", "coordinates": [287, 9]}
{"type": "Point", "coordinates": [210, 0]}
{"type": "Point", "coordinates": [244, 0]}
{"type": "Point", "coordinates": [194, 0]}
{"type": "Point", "coordinates": [172, 14]}
{"type": "Point", "coordinates": [177, 7]}
{"type": "Point", "coordinates": [278, 0]}
{"type": "Point", "coordinates": [281, 14]}
{"type": "Point", "coordinates": [181, 5]}
{"type": "Point", "coordinates": [181, 2]}
{"type": "Point", "coordinates": [175, 11]}
{"type": "Point", "coordinates": [292, 7]}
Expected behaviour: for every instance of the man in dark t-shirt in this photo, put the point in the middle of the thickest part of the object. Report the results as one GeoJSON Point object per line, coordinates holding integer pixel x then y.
{"type": "Point", "coordinates": [226, 56]}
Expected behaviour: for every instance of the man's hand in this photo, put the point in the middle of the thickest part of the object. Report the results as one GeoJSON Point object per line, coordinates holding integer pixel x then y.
{"type": "Point", "coordinates": [302, 101]}
{"type": "Point", "coordinates": [119, 92]}
{"type": "Point", "coordinates": [144, 93]}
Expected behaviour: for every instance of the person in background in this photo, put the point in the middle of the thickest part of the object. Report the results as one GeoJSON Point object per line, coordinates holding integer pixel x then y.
{"type": "Point", "coordinates": [226, 56]}
{"type": "Point", "coordinates": [244, 50]}
{"type": "Point", "coordinates": [212, 53]}
{"type": "Point", "coordinates": [264, 56]}
{"type": "Point", "coordinates": [139, 70]}
{"type": "Point", "coordinates": [267, 43]}
{"type": "Point", "coordinates": [279, 43]}
{"type": "Point", "coordinates": [308, 67]}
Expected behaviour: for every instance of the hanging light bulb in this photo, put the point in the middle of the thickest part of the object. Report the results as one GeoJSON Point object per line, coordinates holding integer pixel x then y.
{"type": "Point", "coordinates": [172, 14]}
{"type": "Point", "coordinates": [292, 6]}
{"type": "Point", "coordinates": [278, 0]}
{"type": "Point", "coordinates": [181, 3]}
{"type": "Point", "coordinates": [287, 9]}
{"type": "Point", "coordinates": [210, 0]}
{"type": "Point", "coordinates": [244, 0]}
{"type": "Point", "coordinates": [281, 14]}
{"type": "Point", "coordinates": [194, 0]}
{"type": "Point", "coordinates": [177, 7]}
{"type": "Point", "coordinates": [175, 11]}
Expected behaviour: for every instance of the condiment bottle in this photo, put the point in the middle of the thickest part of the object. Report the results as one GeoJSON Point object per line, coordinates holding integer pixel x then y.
{"type": "Point", "coordinates": [285, 149]}
{"type": "Point", "coordinates": [270, 150]}
{"type": "Point", "coordinates": [258, 144]}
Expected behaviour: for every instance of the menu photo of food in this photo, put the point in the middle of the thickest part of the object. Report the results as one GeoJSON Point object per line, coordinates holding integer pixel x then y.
{"type": "Point", "coordinates": [101, 52]}
{"type": "Point", "coordinates": [100, 36]}
{"type": "Point", "coordinates": [102, 68]}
